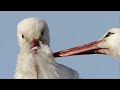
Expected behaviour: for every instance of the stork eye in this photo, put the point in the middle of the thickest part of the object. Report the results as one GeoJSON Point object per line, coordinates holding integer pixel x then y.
{"type": "Point", "coordinates": [109, 33]}
{"type": "Point", "coordinates": [22, 36]}
{"type": "Point", "coordinates": [42, 32]}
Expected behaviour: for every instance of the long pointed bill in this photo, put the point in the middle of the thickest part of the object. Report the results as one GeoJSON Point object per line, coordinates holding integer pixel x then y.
{"type": "Point", "coordinates": [90, 48]}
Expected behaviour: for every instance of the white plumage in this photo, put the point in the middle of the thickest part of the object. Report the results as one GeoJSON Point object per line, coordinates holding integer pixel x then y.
{"type": "Point", "coordinates": [111, 41]}
{"type": "Point", "coordinates": [35, 59]}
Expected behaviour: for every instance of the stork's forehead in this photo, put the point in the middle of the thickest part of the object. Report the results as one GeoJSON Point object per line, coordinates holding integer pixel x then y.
{"type": "Point", "coordinates": [115, 30]}
{"type": "Point", "coordinates": [31, 25]}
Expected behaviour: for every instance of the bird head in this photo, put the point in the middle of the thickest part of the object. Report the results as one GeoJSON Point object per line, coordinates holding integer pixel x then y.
{"type": "Point", "coordinates": [110, 43]}
{"type": "Point", "coordinates": [31, 33]}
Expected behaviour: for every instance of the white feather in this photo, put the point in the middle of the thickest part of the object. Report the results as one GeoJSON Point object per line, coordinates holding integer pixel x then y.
{"type": "Point", "coordinates": [38, 64]}
{"type": "Point", "coordinates": [112, 43]}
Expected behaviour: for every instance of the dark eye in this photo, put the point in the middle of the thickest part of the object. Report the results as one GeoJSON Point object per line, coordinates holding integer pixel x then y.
{"type": "Point", "coordinates": [109, 33]}
{"type": "Point", "coordinates": [22, 36]}
{"type": "Point", "coordinates": [42, 33]}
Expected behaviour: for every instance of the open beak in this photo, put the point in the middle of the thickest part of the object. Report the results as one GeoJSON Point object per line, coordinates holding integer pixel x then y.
{"type": "Point", "coordinates": [90, 48]}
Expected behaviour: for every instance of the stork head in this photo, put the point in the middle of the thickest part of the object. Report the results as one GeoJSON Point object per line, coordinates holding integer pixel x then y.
{"type": "Point", "coordinates": [31, 32]}
{"type": "Point", "coordinates": [109, 44]}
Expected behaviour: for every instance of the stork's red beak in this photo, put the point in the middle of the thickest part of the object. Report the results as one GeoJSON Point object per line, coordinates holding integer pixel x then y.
{"type": "Point", "coordinates": [90, 48]}
{"type": "Point", "coordinates": [34, 43]}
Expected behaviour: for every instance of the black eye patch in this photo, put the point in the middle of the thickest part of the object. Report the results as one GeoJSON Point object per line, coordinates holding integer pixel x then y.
{"type": "Point", "coordinates": [22, 36]}
{"type": "Point", "coordinates": [42, 33]}
{"type": "Point", "coordinates": [108, 34]}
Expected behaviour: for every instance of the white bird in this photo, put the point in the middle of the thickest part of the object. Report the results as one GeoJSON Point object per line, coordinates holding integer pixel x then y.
{"type": "Point", "coordinates": [35, 59]}
{"type": "Point", "coordinates": [109, 44]}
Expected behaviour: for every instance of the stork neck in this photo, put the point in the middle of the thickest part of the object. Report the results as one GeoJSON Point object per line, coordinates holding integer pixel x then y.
{"type": "Point", "coordinates": [46, 66]}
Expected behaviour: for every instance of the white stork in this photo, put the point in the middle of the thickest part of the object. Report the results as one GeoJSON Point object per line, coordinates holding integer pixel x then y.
{"type": "Point", "coordinates": [109, 44]}
{"type": "Point", "coordinates": [35, 59]}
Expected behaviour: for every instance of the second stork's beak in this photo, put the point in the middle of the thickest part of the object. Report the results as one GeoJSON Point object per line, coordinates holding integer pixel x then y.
{"type": "Point", "coordinates": [90, 48]}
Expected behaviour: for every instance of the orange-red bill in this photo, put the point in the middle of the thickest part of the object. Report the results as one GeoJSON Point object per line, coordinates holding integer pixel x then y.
{"type": "Point", "coordinates": [90, 48]}
{"type": "Point", "coordinates": [34, 43]}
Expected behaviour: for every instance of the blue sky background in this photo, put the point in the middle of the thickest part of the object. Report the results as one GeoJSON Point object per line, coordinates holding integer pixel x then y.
{"type": "Point", "coordinates": [67, 29]}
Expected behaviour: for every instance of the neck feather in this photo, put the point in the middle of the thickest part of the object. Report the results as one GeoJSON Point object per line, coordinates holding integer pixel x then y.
{"type": "Point", "coordinates": [36, 65]}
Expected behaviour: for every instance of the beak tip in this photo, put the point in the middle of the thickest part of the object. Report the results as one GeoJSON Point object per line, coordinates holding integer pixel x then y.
{"type": "Point", "coordinates": [56, 54]}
